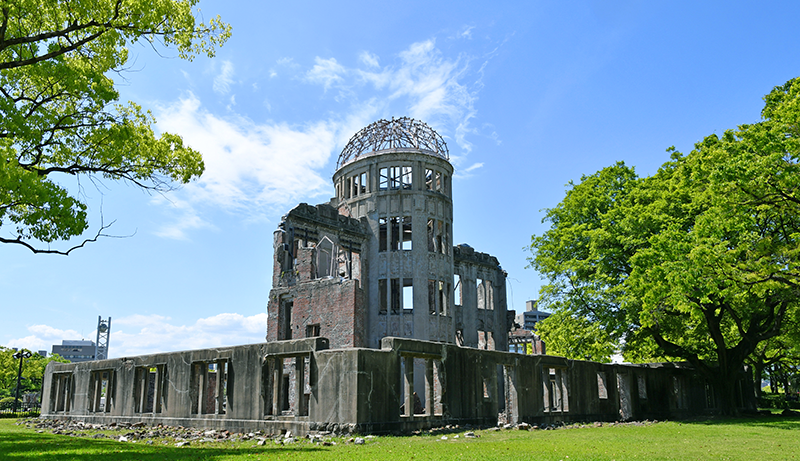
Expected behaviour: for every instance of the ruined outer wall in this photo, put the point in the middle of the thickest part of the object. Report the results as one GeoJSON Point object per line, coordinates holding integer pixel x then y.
{"type": "Point", "coordinates": [303, 386]}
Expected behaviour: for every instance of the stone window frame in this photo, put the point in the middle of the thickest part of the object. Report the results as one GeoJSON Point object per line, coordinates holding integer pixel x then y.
{"type": "Point", "coordinates": [96, 379]}
{"type": "Point", "coordinates": [147, 377]}
{"type": "Point", "coordinates": [222, 391]}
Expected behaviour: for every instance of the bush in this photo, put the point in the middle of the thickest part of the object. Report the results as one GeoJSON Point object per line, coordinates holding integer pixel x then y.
{"type": "Point", "coordinates": [6, 403]}
{"type": "Point", "coordinates": [778, 401]}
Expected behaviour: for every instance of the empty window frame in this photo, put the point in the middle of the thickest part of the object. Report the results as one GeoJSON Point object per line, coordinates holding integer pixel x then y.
{"type": "Point", "coordinates": [421, 402]}
{"type": "Point", "coordinates": [602, 389]}
{"type": "Point", "coordinates": [438, 301]}
{"type": "Point", "coordinates": [210, 387]}
{"type": "Point", "coordinates": [555, 390]}
{"type": "Point", "coordinates": [408, 295]}
{"type": "Point", "coordinates": [148, 389]}
{"type": "Point", "coordinates": [325, 262]}
{"type": "Point", "coordinates": [285, 319]}
{"type": "Point", "coordinates": [286, 385]}
{"type": "Point", "coordinates": [429, 179]}
{"type": "Point", "coordinates": [394, 233]}
{"type": "Point", "coordinates": [457, 289]}
{"type": "Point", "coordinates": [641, 383]}
{"type": "Point", "coordinates": [395, 177]}
{"type": "Point", "coordinates": [312, 331]}
{"type": "Point", "coordinates": [438, 236]}
{"type": "Point", "coordinates": [101, 391]}
{"type": "Point", "coordinates": [63, 392]}
{"type": "Point", "coordinates": [383, 295]}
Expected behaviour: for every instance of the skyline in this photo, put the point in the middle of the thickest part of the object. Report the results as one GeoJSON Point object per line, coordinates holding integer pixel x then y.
{"type": "Point", "coordinates": [528, 97]}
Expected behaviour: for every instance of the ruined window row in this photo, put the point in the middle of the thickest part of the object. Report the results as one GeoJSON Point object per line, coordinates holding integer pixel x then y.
{"type": "Point", "coordinates": [210, 389]}
{"type": "Point", "coordinates": [102, 391]}
{"type": "Point", "coordinates": [394, 177]}
{"type": "Point", "coordinates": [286, 385]}
{"type": "Point", "coordinates": [395, 294]}
{"type": "Point", "coordinates": [431, 404]}
{"type": "Point", "coordinates": [354, 186]}
{"type": "Point", "coordinates": [438, 236]}
{"type": "Point", "coordinates": [394, 233]}
{"type": "Point", "coordinates": [438, 297]}
{"type": "Point", "coordinates": [149, 394]}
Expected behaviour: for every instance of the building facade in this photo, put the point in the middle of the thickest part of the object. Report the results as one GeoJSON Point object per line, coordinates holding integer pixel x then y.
{"type": "Point", "coordinates": [378, 259]}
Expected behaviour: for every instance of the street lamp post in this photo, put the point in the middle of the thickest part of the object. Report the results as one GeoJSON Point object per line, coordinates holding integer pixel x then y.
{"type": "Point", "coordinates": [23, 354]}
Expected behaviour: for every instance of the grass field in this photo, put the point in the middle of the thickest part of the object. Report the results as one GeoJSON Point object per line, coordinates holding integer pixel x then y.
{"type": "Point", "coordinates": [740, 439]}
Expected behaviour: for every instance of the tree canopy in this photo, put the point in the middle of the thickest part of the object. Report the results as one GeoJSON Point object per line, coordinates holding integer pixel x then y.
{"type": "Point", "coordinates": [61, 115]}
{"type": "Point", "coordinates": [697, 262]}
{"type": "Point", "coordinates": [32, 372]}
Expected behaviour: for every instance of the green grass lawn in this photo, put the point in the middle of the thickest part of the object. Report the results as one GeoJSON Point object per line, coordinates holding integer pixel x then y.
{"type": "Point", "coordinates": [730, 439]}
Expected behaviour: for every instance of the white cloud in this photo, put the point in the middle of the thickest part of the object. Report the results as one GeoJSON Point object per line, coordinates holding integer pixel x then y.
{"type": "Point", "coordinates": [327, 72]}
{"type": "Point", "coordinates": [368, 59]}
{"type": "Point", "coordinates": [250, 167]}
{"type": "Point", "coordinates": [140, 334]}
{"type": "Point", "coordinates": [149, 334]}
{"type": "Point", "coordinates": [467, 32]}
{"type": "Point", "coordinates": [43, 337]}
{"type": "Point", "coordinates": [223, 81]}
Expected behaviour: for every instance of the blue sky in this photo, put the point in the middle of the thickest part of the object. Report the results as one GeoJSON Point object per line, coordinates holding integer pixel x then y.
{"type": "Point", "coordinates": [528, 95]}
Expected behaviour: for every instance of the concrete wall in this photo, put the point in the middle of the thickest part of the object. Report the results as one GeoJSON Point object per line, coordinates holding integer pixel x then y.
{"type": "Point", "coordinates": [302, 385]}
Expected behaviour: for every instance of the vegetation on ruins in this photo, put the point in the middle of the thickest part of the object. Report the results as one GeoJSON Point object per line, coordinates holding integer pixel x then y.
{"type": "Point", "coordinates": [699, 262]}
{"type": "Point", "coordinates": [60, 114]}
{"type": "Point", "coordinates": [730, 439]}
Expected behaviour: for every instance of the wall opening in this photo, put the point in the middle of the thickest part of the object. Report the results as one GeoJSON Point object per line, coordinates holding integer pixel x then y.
{"type": "Point", "coordinates": [101, 391]}
{"type": "Point", "coordinates": [148, 389]}
{"type": "Point", "coordinates": [209, 386]}
{"type": "Point", "coordinates": [555, 390]}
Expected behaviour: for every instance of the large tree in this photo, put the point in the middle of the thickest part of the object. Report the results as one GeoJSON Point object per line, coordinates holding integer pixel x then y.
{"type": "Point", "coordinates": [699, 261]}
{"type": "Point", "coordinates": [60, 114]}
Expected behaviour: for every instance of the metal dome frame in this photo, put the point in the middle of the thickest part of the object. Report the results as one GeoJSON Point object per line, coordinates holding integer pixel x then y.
{"type": "Point", "coordinates": [397, 133]}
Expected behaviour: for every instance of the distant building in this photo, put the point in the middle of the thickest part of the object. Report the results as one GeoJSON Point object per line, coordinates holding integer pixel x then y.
{"type": "Point", "coordinates": [532, 315]}
{"type": "Point", "coordinates": [76, 350]}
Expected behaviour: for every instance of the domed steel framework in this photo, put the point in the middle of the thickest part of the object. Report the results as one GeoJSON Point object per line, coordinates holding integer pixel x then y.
{"type": "Point", "coordinates": [397, 133]}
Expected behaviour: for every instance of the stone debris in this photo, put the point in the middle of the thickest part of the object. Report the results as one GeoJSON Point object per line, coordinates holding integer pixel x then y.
{"type": "Point", "coordinates": [359, 441]}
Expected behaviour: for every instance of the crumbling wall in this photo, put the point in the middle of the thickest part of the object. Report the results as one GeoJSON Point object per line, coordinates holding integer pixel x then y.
{"type": "Point", "coordinates": [303, 385]}
{"type": "Point", "coordinates": [481, 316]}
{"type": "Point", "coordinates": [319, 260]}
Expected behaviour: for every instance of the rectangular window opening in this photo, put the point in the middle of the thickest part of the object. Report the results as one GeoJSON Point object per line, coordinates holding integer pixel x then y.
{"type": "Point", "coordinates": [383, 295]}
{"type": "Point", "coordinates": [408, 295]}
{"type": "Point", "coordinates": [362, 183]}
{"type": "Point", "coordinates": [602, 390]}
{"type": "Point", "coordinates": [642, 385]}
{"type": "Point", "coordinates": [383, 179]}
{"type": "Point", "coordinates": [406, 233]}
{"type": "Point", "coordinates": [428, 179]}
{"type": "Point", "coordinates": [457, 290]}
{"type": "Point", "coordinates": [396, 294]}
{"type": "Point", "coordinates": [312, 331]}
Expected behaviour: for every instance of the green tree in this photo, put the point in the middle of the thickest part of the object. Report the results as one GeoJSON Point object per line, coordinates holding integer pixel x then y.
{"type": "Point", "coordinates": [60, 114]}
{"type": "Point", "coordinates": [575, 337]}
{"type": "Point", "coordinates": [32, 372]}
{"type": "Point", "coordinates": [699, 261]}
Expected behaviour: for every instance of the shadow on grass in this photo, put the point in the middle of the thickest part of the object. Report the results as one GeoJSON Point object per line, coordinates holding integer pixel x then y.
{"type": "Point", "coordinates": [772, 421]}
{"type": "Point", "coordinates": [23, 445]}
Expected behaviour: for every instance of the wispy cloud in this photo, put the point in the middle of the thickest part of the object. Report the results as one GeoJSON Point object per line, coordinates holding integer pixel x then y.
{"type": "Point", "coordinates": [326, 72]}
{"type": "Point", "coordinates": [148, 334]}
{"type": "Point", "coordinates": [262, 168]}
{"type": "Point", "coordinates": [223, 80]}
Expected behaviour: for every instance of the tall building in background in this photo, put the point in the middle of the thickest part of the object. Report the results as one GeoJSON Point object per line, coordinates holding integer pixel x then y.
{"type": "Point", "coordinates": [82, 350]}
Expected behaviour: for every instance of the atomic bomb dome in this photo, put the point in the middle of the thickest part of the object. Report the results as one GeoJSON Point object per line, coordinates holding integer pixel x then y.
{"type": "Point", "coordinates": [398, 134]}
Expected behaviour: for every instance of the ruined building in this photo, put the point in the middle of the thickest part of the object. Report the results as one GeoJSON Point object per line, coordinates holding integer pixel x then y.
{"type": "Point", "coordinates": [377, 323]}
{"type": "Point", "coordinates": [378, 261]}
